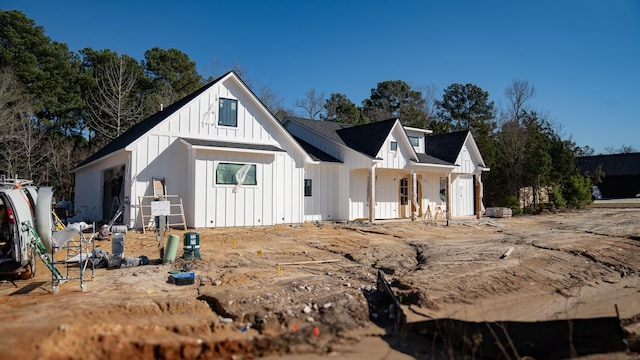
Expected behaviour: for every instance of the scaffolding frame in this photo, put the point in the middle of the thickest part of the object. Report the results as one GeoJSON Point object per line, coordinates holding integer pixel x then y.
{"type": "Point", "coordinates": [78, 255]}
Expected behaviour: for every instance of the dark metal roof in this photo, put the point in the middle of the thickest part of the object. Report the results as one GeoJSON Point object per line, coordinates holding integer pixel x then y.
{"type": "Point", "coordinates": [315, 153]}
{"type": "Point", "coordinates": [369, 138]}
{"type": "Point", "coordinates": [366, 139]}
{"type": "Point", "coordinates": [612, 165]}
{"type": "Point", "coordinates": [326, 128]}
{"type": "Point", "coordinates": [445, 146]}
{"type": "Point", "coordinates": [428, 159]}
{"type": "Point", "coordinates": [232, 145]}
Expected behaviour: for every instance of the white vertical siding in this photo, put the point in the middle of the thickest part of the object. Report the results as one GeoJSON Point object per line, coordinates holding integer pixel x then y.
{"type": "Point", "coordinates": [89, 188]}
{"type": "Point", "coordinates": [323, 204]}
{"type": "Point", "coordinates": [190, 173]}
{"type": "Point", "coordinates": [430, 183]}
{"type": "Point", "coordinates": [358, 188]}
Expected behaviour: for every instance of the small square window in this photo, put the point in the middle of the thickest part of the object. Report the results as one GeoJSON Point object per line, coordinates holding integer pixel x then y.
{"type": "Point", "coordinates": [228, 113]}
{"type": "Point", "coordinates": [414, 140]}
{"type": "Point", "coordinates": [307, 187]}
{"type": "Point", "coordinates": [394, 146]}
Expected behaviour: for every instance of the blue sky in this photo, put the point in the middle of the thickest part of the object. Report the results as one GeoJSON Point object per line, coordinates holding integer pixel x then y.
{"type": "Point", "coordinates": [582, 56]}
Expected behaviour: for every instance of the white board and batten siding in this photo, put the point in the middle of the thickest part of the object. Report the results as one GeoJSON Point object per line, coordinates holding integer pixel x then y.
{"type": "Point", "coordinates": [190, 171]}
{"type": "Point", "coordinates": [276, 198]}
{"type": "Point", "coordinates": [324, 202]}
{"type": "Point", "coordinates": [462, 183]}
{"type": "Point", "coordinates": [89, 186]}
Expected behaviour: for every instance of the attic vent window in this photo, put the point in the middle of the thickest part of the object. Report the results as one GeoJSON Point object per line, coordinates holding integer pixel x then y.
{"type": "Point", "coordinates": [394, 146]}
{"type": "Point", "coordinates": [228, 114]}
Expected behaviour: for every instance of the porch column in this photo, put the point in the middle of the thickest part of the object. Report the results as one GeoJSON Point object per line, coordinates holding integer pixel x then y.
{"type": "Point", "coordinates": [478, 198]}
{"type": "Point", "coordinates": [413, 193]}
{"type": "Point", "coordinates": [372, 193]}
{"type": "Point", "coordinates": [448, 192]}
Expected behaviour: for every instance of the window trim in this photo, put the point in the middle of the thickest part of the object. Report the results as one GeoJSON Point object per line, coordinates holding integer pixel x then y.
{"type": "Point", "coordinates": [308, 187]}
{"type": "Point", "coordinates": [222, 101]}
{"type": "Point", "coordinates": [393, 146]}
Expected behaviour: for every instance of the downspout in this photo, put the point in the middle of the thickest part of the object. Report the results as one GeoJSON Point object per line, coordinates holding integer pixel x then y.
{"type": "Point", "coordinates": [372, 193]}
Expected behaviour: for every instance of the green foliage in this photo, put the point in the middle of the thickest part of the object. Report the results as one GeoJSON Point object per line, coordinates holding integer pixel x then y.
{"type": "Point", "coordinates": [511, 201]}
{"type": "Point", "coordinates": [466, 107]}
{"type": "Point", "coordinates": [340, 109]}
{"type": "Point", "coordinates": [171, 75]}
{"type": "Point", "coordinates": [556, 200]}
{"type": "Point", "coordinates": [596, 176]}
{"type": "Point", "coordinates": [577, 191]}
{"type": "Point", "coordinates": [395, 99]}
{"type": "Point", "coordinates": [49, 71]}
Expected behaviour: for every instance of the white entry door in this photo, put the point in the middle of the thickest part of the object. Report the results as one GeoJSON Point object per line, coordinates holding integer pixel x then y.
{"type": "Point", "coordinates": [463, 193]}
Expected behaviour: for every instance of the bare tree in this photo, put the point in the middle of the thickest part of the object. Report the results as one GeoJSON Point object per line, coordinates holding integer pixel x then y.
{"type": "Point", "coordinates": [113, 108]}
{"type": "Point", "coordinates": [429, 95]}
{"type": "Point", "coordinates": [518, 94]}
{"type": "Point", "coordinates": [13, 101]}
{"type": "Point", "coordinates": [312, 104]}
{"type": "Point", "coordinates": [624, 149]}
{"type": "Point", "coordinates": [19, 138]}
{"type": "Point", "coordinates": [513, 140]}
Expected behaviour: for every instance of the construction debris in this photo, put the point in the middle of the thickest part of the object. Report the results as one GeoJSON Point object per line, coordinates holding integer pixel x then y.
{"type": "Point", "coordinates": [506, 253]}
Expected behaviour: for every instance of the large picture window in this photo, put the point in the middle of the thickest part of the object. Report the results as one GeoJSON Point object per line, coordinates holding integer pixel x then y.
{"type": "Point", "coordinates": [228, 112]}
{"type": "Point", "coordinates": [227, 173]}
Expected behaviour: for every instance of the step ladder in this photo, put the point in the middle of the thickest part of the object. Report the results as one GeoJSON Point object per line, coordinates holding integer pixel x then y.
{"type": "Point", "coordinates": [41, 251]}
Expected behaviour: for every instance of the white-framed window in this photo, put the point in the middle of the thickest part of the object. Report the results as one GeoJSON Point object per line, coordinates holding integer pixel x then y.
{"type": "Point", "coordinates": [415, 141]}
{"type": "Point", "coordinates": [307, 187]}
{"type": "Point", "coordinates": [394, 146]}
{"type": "Point", "coordinates": [229, 173]}
{"type": "Point", "coordinates": [228, 112]}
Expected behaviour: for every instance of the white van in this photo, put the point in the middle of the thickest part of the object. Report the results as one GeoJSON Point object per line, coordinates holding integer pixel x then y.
{"type": "Point", "coordinates": [20, 209]}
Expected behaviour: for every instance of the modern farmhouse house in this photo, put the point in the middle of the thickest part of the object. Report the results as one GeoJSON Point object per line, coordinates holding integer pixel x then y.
{"type": "Point", "coordinates": [232, 163]}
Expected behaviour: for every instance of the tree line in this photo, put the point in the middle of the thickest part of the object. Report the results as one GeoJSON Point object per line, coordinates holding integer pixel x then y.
{"type": "Point", "coordinates": [57, 107]}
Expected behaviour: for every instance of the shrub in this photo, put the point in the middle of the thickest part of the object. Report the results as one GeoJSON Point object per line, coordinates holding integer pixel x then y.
{"type": "Point", "coordinates": [577, 191]}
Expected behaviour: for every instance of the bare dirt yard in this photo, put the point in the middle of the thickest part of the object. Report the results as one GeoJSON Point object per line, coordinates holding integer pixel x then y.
{"type": "Point", "coordinates": [309, 290]}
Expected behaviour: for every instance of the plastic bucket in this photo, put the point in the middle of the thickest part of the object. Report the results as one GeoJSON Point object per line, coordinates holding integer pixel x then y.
{"type": "Point", "coordinates": [171, 249]}
{"type": "Point", "coordinates": [119, 229]}
{"type": "Point", "coordinates": [117, 244]}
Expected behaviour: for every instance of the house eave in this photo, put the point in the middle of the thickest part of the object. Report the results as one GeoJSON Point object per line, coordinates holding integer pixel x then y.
{"type": "Point", "coordinates": [109, 155]}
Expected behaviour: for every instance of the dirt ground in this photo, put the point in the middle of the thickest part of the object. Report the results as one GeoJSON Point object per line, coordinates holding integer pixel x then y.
{"type": "Point", "coordinates": [309, 290]}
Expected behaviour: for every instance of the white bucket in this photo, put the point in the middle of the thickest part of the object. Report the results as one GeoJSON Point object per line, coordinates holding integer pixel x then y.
{"type": "Point", "coordinates": [119, 229]}
{"type": "Point", "coordinates": [117, 244]}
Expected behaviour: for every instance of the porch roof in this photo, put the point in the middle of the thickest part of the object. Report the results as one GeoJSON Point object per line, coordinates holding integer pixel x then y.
{"type": "Point", "coordinates": [232, 145]}
{"type": "Point", "coordinates": [315, 153]}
